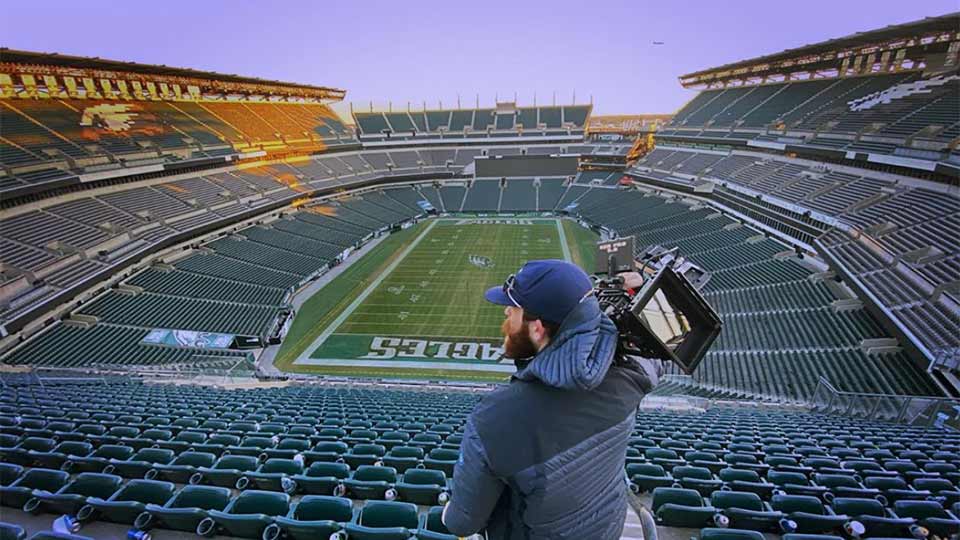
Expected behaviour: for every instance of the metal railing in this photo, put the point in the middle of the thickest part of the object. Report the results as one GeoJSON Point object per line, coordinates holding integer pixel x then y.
{"type": "Point", "coordinates": [929, 411]}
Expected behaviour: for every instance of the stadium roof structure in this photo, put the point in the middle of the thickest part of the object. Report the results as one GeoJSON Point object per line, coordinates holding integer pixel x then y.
{"type": "Point", "coordinates": [930, 30]}
{"type": "Point", "coordinates": [19, 61]}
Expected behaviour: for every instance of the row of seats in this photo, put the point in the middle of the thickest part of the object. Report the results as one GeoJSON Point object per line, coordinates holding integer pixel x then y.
{"type": "Point", "coordinates": [476, 122]}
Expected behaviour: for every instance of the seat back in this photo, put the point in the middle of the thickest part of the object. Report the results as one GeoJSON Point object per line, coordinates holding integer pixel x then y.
{"type": "Point", "coordinates": [240, 463]}
{"type": "Point", "coordinates": [736, 499]}
{"type": "Point", "coordinates": [685, 497]}
{"type": "Point", "coordinates": [195, 459]}
{"type": "Point", "coordinates": [260, 502]}
{"type": "Point", "coordinates": [375, 473]}
{"type": "Point", "coordinates": [322, 469]}
{"type": "Point", "coordinates": [323, 507]}
{"type": "Point", "coordinates": [93, 485]}
{"type": "Point", "coordinates": [145, 491]}
{"type": "Point", "coordinates": [203, 497]}
{"type": "Point", "coordinates": [389, 514]}
{"type": "Point", "coordinates": [427, 477]}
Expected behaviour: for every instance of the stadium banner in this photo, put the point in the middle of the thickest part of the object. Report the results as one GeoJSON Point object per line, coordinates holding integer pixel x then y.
{"type": "Point", "coordinates": [187, 338]}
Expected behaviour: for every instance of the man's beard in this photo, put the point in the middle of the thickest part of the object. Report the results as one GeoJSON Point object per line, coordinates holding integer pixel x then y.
{"type": "Point", "coordinates": [517, 345]}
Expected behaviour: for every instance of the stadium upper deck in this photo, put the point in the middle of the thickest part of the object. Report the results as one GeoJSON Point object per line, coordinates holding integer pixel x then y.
{"type": "Point", "coordinates": [888, 98]}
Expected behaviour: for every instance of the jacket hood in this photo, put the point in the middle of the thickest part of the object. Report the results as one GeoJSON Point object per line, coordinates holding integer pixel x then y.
{"type": "Point", "coordinates": [578, 357]}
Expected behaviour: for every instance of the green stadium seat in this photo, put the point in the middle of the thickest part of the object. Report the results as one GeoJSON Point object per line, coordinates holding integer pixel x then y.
{"type": "Point", "coordinates": [9, 472]}
{"type": "Point", "coordinates": [181, 468]}
{"type": "Point", "coordinates": [364, 454]}
{"type": "Point", "coordinates": [273, 475]}
{"type": "Point", "coordinates": [874, 519]}
{"type": "Point", "coordinates": [18, 492]}
{"type": "Point", "coordinates": [139, 463]}
{"type": "Point", "coordinates": [51, 535]}
{"type": "Point", "coordinates": [314, 516]}
{"type": "Point", "coordinates": [442, 459]}
{"type": "Point", "coordinates": [128, 502]}
{"type": "Point", "coordinates": [929, 514]}
{"type": "Point", "coordinates": [71, 497]}
{"type": "Point", "coordinates": [99, 459]}
{"type": "Point", "coordinates": [746, 480]}
{"type": "Point", "coordinates": [9, 531]}
{"type": "Point", "coordinates": [384, 520]}
{"type": "Point", "coordinates": [287, 448]}
{"type": "Point", "coordinates": [748, 511]}
{"type": "Point", "coordinates": [895, 489]}
{"type": "Point", "coordinates": [185, 510]}
{"type": "Point", "coordinates": [22, 453]}
{"type": "Point", "coordinates": [678, 507]}
{"type": "Point", "coordinates": [432, 527]}
{"type": "Point", "coordinates": [322, 478]}
{"type": "Point", "coordinates": [226, 471]}
{"type": "Point", "coordinates": [63, 452]}
{"type": "Point", "coordinates": [423, 486]}
{"type": "Point", "coordinates": [402, 458]}
{"type": "Point", "coordinates": [714, 533]}
{"type": "Point", "coordinates": [326, 451]}
{"type": "Point", "coordinates": [697, 478]}
{"type": "Point", "coordinates": [371, 482]}
{"type": "Point", "coordinates": [246, 516]}
{"type": "Point", "coordinates": [809, 513]}
{"type": "Point", "coordinates": [645, 477]}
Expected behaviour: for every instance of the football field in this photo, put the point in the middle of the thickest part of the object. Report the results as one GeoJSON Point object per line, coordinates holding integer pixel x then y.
{"type": "Point", "coordinates": [420, 304]}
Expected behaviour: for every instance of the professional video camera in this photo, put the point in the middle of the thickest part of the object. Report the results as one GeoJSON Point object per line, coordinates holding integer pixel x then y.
{"type": "Point", "coordinates": [657, 309]}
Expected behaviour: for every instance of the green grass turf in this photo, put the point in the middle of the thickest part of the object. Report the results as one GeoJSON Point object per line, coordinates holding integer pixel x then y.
{"type": "Point", "coordinates": [317, 312]}
{"type": "Point", "coordinates": [583, 245]}
{"type": "Point", "coordinates": [434, 293]}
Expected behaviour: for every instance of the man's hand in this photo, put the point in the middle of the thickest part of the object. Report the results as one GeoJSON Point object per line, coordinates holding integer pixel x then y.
{"type": "Point", "coordinates": [632, 280]}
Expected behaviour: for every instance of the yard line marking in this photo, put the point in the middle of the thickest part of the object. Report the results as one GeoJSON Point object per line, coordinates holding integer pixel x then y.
{"type": "Point", "coordinates": [563, 241]}
{"type": "Point", "coordinates": [366, 292]}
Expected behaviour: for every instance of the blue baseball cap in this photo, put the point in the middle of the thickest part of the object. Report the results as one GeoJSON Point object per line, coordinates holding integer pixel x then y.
{"type": "Point", "coordinates": [549, 289]}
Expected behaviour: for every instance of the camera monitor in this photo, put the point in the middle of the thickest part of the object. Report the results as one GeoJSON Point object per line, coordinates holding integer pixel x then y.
{"type": "Point", "coordinates": [675, 321]}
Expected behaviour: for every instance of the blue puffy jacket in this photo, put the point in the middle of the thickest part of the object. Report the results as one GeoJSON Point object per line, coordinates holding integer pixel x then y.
{"type": "Point", "coordinates": [543, 457]}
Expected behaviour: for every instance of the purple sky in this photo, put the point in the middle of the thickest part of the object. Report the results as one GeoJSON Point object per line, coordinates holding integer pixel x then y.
{"type": "Point", "coordinates": [432, 50]}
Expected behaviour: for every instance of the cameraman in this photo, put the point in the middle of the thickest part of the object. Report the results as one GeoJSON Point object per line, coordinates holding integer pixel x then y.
{"type": "Point", "coordinates": [543, 457]}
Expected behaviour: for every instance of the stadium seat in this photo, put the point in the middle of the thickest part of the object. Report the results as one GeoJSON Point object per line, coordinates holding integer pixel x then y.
{"type": "Point", "coordinates": [442, 459]}
{"type": "Point", "coordinates": [128, 502]}
{"type": "Point", "coordinates": [182, 467]}
{"type": "Point", "coordinates": [314, 516]}
{"type": "Point", "coordinates": [99, 459]}
{"type": "Point", "coordinates": [371, 482]}
{"type": "Point", "coordinates": [747, 511]}
{"type": "Point", "coordinates": [326, 451]}
{"type": "Point", "coordinates": [432, 527]}
{"type": "Point", "coordinates": [929, 514]}
{"type": "Point", "coordinates": [139, 463]}
{"type": "Point", "coordinates": [72, 496]}
{"type": "Point", "coordinates": [364, 454]}
{"type": "Point", "coordinates": [876, 521]}
{"type": "Point", "coordinates": [384, 520]}
{"type": "Point", "coordinates": [678, 507]}
{"type": "Point", "coordinates": [746, 480]}
{"type": "Point", "coordinates": [246, 516]}
{"type": "Point", "coordinates": [402, 458]}
{"type": "Point", "coordinates": [809, 514]}
{"type": "Point", "coordinates": [9, 531]}
{"type": "Point", "coordinates": [697, 478]}
{"type": "Point", "coordinates": [423, 486]}
{"type": "Point", "coordinates": [185, 510]}
{"type": "Point", "coordinates": [273, 475]}
{"type": "Point", "coordinates": [21, 490]}
{"type": "Point", "coordinates": [9, 472]}
{"type": "Point", "coordinates": [226, 471]}
{"type": "Point", "coordinates": [714, 533]}
{"type": "Point", "coordinates": [60, 454]}
{"type": "Point", "coordinates": [645, 477]}
{"type": "Point", "coordinates": [322, 478]}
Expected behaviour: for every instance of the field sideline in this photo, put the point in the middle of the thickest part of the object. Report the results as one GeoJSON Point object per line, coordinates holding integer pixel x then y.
{"type": "Point", "coordinates": [413, 306]}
